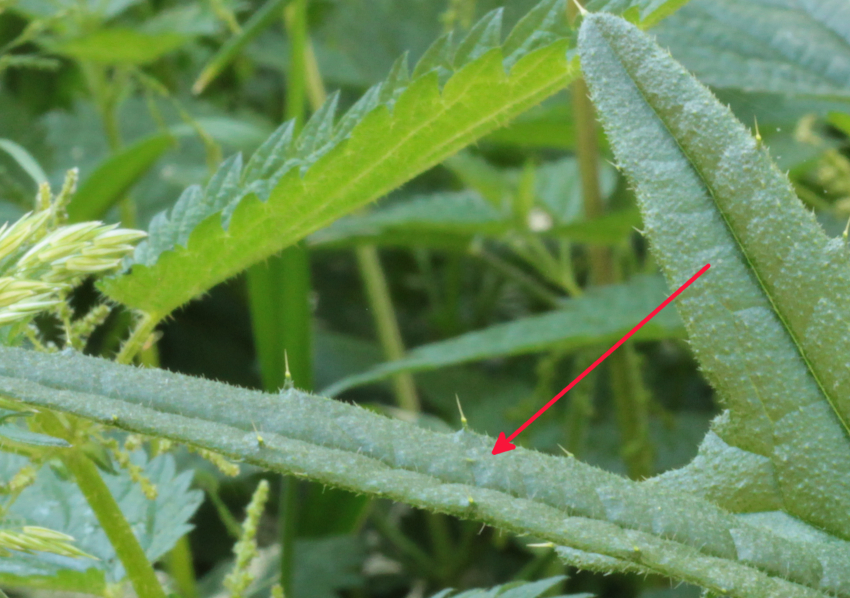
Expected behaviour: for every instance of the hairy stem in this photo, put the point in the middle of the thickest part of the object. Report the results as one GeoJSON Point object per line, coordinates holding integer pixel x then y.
{"type": "Point", "coordinates": [138, 338]}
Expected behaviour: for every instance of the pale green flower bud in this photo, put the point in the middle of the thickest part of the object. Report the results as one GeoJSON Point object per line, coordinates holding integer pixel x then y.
{"type": "Point", "coordinates": [27, 228]}
{"type": "Point", "coordinates": [62, 242]}
{"type": "Point", "coordinates": [13, 290]}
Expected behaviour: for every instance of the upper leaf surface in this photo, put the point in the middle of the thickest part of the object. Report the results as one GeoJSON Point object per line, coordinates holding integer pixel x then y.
{"type": "Point", "coordinates": [797, 47]}
{"type": "Point", "coordinates": [555, 498]}
{"type": "Point", "coordinates": [769, 320]}
{"type": "Point", "coordinates": [291, 187]}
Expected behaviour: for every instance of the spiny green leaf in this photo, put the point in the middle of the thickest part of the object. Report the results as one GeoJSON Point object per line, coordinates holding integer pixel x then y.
{"type": "Point", "coordinates": [769, 321]}
{"type": "Point", "coordinates": [323, 175]}
{"type": "Point", "coordinates": [602, 315]}
{"type": "Point", "coordinates": [798, 47]}
{"type": "Point", "coordinates": [555, 498]}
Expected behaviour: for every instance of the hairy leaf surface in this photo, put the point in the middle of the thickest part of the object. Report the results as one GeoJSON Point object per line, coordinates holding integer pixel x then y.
{"type": "Point", "coordinates": [603, 315]}
{"type": "Point", "coordinates": [556, 498]}
{"type": "Point", "coordinates": [769, 321]}
{"type": "Point", "coordinates": [512, 590]}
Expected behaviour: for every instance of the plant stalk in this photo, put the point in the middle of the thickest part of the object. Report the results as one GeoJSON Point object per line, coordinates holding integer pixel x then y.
{"type": "Point", "coordinates": [386, 324]}
{"type": "Point", "coordinates": [139, 570]}
{"type": "Point", "coordinates": [137, 339]}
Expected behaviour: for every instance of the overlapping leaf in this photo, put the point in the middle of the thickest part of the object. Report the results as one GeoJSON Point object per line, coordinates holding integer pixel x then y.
{"type": "Point", "coordinates": [58, 504]}
{"type": "Point", "coordinates": [769, 320]}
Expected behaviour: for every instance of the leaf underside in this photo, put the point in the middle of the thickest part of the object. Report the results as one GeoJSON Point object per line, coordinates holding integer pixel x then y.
{"type": "Point", "coordinates": [769, 321]}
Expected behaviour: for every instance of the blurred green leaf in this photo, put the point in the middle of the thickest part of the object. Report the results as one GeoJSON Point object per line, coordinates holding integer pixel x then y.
{"type": "Point", "coordinates": [113, 177]}
{"type": "Point", "coordinates": [599, 317]}
{"type": "Point", "coordinates": [798, 48]}
{"type": "Point", "coordinates": [23, 158]}
{"type": "Point", "coordinates": [120, 45]}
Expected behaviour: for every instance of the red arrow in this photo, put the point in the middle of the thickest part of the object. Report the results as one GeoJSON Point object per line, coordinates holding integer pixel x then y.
{"type": "Point", "coordinates": [504, 445]}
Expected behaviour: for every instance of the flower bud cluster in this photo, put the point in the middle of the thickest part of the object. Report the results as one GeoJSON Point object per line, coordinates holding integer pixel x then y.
{"type": "Point", "coordinates": [38, 539]}
{"type": "Point", "coordinates": [42, 259]}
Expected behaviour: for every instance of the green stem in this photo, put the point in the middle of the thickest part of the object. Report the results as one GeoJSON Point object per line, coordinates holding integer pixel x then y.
{"type": "Point", "coordinates": [136, 342]}
{"type": "Point", "coordinates": [295, 18]}
{"type": "Point", "coordinates": [139, 570]}
{"type": "Point", "coordinates": [587, 149]}
{"type": "Point", "coordinates": [179, 563]}
{"type": "Point", "coordinates": [386, 324]}
{"type": "Point", "coordinates": [632, 406]}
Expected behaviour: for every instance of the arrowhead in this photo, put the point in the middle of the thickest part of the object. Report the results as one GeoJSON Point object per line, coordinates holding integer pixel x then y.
{"type": "Point", "coordinates": [503, 445]}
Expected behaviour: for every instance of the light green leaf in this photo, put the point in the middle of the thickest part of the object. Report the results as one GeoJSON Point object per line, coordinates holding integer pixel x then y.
{"type": "Point", "coordinates": [769, 321]}
{"type": "Point", "coordinates": [603, 315]}
{"type": "Point", "coordinates": [120, 45]}
{"type": "Point", "coordinates": [294, 187]}
{"type": "Point", "coordinates": [799, 47]}
{"type": "Point", "coordinates": [557, 499]}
